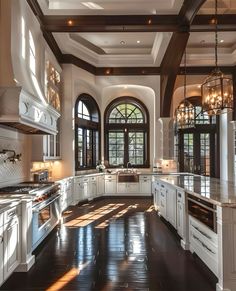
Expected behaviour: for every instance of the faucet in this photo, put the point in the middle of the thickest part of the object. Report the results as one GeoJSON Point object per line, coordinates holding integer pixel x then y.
{"type": "Point", "coordinates": [127, 166]}
{"type": "Point", "coordinates": [13, 158]}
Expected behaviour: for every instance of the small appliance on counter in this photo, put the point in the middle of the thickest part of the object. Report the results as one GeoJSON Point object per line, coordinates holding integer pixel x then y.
{"type": "Point", "coordinates": [41, 176]}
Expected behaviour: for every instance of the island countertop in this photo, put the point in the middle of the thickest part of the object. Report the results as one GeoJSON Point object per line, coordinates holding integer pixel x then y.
{"type": "Point", "coordinates": [219, 192]}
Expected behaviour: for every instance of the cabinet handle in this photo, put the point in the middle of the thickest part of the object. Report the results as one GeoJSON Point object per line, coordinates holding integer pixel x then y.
{"type": "Point", "coordinates": [11, 213]}
{"type": "Point", "coordinates": [202, 232]}
{"type": "Point", "coordinates": [1, 239]}
{"type": "Point", "coordinates": [204, 245]}
{"type": "Point", "coordinates": [162, 195]}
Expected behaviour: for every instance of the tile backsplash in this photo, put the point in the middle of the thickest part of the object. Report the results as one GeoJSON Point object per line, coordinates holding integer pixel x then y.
{"type": "Point", "coordinates": [11, 173]}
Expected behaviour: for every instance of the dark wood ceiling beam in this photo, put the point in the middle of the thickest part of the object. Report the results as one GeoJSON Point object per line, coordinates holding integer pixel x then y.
{"type": "Point", "coordinates": [202, 23]}
{"type": "Point", "coordinates": [170, 68]}
{"type": "Point", "coordinates": [173, 55]}
{"type": "Point", "coordinates": [114, 23]}
{"type": "Point", "coordinates": [137, 23]}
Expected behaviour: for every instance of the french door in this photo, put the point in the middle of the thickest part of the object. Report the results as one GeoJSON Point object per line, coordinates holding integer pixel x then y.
{"type": "Point", "coordinates": [198, 152]}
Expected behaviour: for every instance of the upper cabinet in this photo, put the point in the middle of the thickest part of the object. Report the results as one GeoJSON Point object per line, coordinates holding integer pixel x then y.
{"type": "Point", "coordinates": [53, 86]}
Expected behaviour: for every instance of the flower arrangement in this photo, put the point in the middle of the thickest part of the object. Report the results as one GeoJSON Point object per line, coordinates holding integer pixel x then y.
{"type": "Point", "coordinates": [100, 167]}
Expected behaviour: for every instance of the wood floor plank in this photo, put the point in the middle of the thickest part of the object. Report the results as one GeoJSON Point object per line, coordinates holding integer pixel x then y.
{"type": "Point", "coordinates": [128, 248]}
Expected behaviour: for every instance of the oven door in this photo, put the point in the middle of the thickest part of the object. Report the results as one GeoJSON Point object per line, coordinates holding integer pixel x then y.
{"type": "Point", "coordinates": [203, 211]}
{"type": "Point", "coordinates": [45, 218]}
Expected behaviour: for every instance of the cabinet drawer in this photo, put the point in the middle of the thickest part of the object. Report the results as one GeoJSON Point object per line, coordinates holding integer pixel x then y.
{"type": "Point", "coordinates": [207, 234]}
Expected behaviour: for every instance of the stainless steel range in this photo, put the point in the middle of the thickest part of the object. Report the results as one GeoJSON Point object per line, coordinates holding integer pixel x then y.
{"type": "Point", "coordinates": [46, 207]}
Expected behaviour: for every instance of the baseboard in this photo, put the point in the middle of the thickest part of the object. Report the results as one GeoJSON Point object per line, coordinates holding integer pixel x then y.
{"type": "Point", "coordinates": [25, 267]}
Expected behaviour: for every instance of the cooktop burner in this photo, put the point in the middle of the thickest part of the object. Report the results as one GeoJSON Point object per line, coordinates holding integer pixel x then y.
{"type": "Point", "coordinates": [27, 188]}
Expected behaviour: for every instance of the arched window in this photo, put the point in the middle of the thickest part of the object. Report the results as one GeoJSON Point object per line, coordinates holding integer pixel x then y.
{"type": "Point", "coordinates": [126, 133]}
{"type": "Point", "coordinates": [87, 133]}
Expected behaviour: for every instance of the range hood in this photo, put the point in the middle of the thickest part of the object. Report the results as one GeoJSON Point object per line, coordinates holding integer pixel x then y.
{"type": "Point", "coordinates": [25, 112]}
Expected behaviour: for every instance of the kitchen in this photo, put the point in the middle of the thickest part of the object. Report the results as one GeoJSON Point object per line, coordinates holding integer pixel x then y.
{"type": "Point", "coordinates": [89, 126]}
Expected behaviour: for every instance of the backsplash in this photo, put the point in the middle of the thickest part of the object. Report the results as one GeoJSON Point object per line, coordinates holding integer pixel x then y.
{"type": "Point", "coordinates": [10, 172]}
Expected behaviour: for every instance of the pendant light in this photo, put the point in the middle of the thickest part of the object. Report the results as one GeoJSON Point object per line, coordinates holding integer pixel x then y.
{"type": "Point", "coordinates": [185, 112]}
{"type": "Point", "coordinates": [217, 90]}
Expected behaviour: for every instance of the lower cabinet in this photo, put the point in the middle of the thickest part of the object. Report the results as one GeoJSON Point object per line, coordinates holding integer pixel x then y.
{"type": "Point", "coordinates": [92, 187]}
{"type": "Point", "coordinates": [162, 199]}
{"type": "Point", "coordinates": [171, 205]}
{"type": "Point", "coordinates": [145, 184]}
{"type": "Point", "coordinates": [10, 241]}
{"type": "Point", "coordinates": [100, 185]}
{"type": "Point", "coordinates": [204, 242]}
{"type": "Point", "coordinates": [66, 193]}
{"type": "Point", "coordinates": [128, 188]}
{"type": "Point", "coordinates": [110, 184]}
{"type": "Point", "coordinates": [181, 213]}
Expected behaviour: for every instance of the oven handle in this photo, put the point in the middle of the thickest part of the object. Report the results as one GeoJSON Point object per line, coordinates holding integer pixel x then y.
{"type": "Point", "coordinates": [38, 209]}
{"type": "Point", "coordinates": [202, 205]}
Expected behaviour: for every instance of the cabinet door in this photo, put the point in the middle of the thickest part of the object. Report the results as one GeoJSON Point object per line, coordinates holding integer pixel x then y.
{"type": "Point", "coordinates": [77, 191]}
{"type": "Point", "coordinates": [132, 188]}
{"type": "Point", "coordinates": [145, 186]}
{"type": "Point", "coordinates": [100, 186]}
{"type": "Point", "coordinates": [11, 247]}
{"type": "Point", "coordinates": [180, 219]}
{"type": "Point", "coordinates": [1, 255]}
{"type": "Point", "coordinates": [163, 203]}
{"type": "Point", "coordinates": [171, 206]}
{"type": "Point", "coordinates": [110, 186]}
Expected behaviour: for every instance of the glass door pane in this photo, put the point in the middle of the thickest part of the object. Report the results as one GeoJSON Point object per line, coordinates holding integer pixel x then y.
{"type": "Point", "coordinates": [204, 167]}
{"type": "Point", "coordinates": [188, 158]}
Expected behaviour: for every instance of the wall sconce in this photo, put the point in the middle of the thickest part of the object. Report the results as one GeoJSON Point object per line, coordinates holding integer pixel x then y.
{"type": "Point", "coordinates": [13, 158]}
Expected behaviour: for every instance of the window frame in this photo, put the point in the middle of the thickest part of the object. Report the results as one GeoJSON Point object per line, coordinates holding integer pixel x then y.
{"type": "Point", "coordinates": [86, 125]}
{"type": "Point", "coordinates": [126, 128]}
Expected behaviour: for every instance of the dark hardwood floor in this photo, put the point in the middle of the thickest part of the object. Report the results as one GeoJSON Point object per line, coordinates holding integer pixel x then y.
{"type": "Point", "coordinates": [113, 244]}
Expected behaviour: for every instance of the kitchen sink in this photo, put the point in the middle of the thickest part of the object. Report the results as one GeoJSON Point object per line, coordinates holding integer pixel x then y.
{"type": "Point", "coordinates": [125, 177]}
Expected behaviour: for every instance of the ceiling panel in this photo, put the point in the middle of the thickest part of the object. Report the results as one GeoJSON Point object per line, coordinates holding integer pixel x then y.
{"type": "Point", "coordinates": [106, 7]}
{"type": "Point", "coordinates": [224, 7]}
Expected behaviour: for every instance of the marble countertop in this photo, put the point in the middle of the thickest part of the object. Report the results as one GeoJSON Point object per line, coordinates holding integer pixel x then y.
{"type": "Point", "coordinates": [217, 191]}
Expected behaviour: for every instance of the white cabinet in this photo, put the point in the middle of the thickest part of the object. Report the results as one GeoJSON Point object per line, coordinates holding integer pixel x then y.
{"type": "Point", "coordinates": [11, 240]}
{"type": "Point", "coordinates": [100, 185]}
{"type": "Point", "coordinates": [110, 184]}
{"type": "Point", "coordinates": [128, 188]}
{"type": "Point", "coordinates": [46, 147]}
{"type": "Point", "coordinates": [145, 184]}
{"type": "Point", "coordinates": [92, 187]}
{"type": "Point", "coordinates": [162, 206]}
{"type": "Point", "coordinates": [204, 242]}
{"type": "Point", "coordinates": [181, 213]}
{"type": "Point", "coordinates": [171, 205]}
{"type": "Point", "coordinates": [66, 198]}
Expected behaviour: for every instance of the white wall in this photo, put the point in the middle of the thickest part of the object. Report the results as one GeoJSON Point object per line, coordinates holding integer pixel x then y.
{"type": "Point", "coordinates": [104, 89]}
{"type": "Point", "coordinates": [13, 173]}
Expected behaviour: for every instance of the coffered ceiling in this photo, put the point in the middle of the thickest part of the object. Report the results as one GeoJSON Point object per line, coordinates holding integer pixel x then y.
{"type": "Point", "coordinates": [110, 7]}
{"type": "Point", "coordinates": [125, 41]}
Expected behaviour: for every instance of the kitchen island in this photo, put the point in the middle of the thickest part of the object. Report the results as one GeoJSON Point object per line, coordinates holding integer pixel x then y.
{"type": "Point", "coordinates": [205, 219]}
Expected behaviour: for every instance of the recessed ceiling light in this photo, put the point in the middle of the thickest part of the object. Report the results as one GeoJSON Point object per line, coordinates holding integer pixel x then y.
{"type": "Point", "coordinates": [138, 41]}
{"type": "Point", "coordinates": [92, 5]}
{"type": "Point", "coordinates": [221, 41]}
{"type": "Point", "coordinates": [149, 21]}
{"type": "Point", "coordinates": [122, 42]}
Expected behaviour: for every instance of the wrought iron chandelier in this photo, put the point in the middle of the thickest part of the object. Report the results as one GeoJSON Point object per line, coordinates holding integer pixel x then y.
{"type": "Point", "coordinates": [185, 112]}
{"type": "Point", "coordinates": [217, 90]}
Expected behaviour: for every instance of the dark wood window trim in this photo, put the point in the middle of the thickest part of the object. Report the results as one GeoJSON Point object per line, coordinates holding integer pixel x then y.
{"type": "Point", "coordinates": [126, 128]}
{"type": "Point", "coordinates": [85, 125]}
